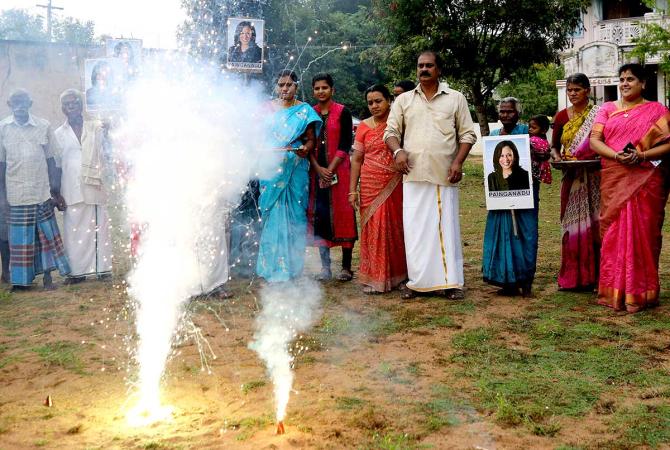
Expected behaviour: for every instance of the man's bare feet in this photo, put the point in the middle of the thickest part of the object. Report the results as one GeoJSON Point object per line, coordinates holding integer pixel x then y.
{"type": "Point", "coordinates": [48, 282]}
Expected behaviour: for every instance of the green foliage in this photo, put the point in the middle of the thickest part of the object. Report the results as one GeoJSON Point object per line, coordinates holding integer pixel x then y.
{"type": "Point", "coordinates": [18, 24]}
{"type": "Point", "coordinates": [483, 42]}
{"type": "Point", "coordinates": [309, 37]}
{"type": "Point", "coordinates": [73, 31]}
{"type": "Point", "coordinates": [536, 88]}
{"type": "Point", "coordinates": [654, 40]}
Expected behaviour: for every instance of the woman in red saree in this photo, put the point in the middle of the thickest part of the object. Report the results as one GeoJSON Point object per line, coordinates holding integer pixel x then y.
{"type": "Point", "coordinates": [631, 135]}
{"type": "Point", "coordinates": [382, 256]}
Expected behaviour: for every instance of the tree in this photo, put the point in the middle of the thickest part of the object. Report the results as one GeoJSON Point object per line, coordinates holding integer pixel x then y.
{"type": "Point", "coordinates": [73, 31]}
{"type": "Point", "coordinates": [18, 24]}
{"type": "Point", "coordinates": [484, 42]}
{"type": "Point", "coordinates": [307, 36]}
{"type": "Point", "coordinates": [535, 88]}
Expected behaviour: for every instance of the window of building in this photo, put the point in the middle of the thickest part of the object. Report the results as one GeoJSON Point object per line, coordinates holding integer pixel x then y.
{"type": "Point", "coordinates": [621, 9]}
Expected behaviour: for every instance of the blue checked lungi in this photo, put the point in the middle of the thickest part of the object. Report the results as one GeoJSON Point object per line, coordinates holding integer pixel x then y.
{"type": "Point", "coordinates": [35, 244]}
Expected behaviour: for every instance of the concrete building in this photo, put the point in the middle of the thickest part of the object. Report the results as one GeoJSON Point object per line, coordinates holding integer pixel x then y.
{"type": "Point", "coordinates": [604, 43]}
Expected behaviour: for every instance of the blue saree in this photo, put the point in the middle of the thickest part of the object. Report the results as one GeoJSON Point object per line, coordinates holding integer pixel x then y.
{"type": "Point", "coordinates": [284, 198]}
{"type": "Point", "coordinates": [509, 259]}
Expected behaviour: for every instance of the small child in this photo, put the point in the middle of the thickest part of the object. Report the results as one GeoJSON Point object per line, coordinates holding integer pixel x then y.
{"type": "Point", "coordinates": [539, 148]}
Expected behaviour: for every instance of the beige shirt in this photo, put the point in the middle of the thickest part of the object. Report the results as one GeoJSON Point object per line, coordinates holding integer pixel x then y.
{"type": "Point", "coordinates": [25, 149]}
{"type": "Point", "coordinates": [431, 131]}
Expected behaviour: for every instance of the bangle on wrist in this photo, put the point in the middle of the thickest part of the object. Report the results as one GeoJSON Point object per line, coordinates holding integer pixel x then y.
{"type": "Point", "coordinates": [395, 153]}
{"type": "Point", "coordinates": [353, 193]}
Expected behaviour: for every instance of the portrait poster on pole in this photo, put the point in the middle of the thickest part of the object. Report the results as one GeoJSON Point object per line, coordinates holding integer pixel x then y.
{"type": "Point", "coordinates": [245, 39]}
{"type": "Point", "coordinates": [508, 180]}
{"type": "Point", "coordinates": [104, 82]}
{"type": "Point", "coordinates": [129, 51]}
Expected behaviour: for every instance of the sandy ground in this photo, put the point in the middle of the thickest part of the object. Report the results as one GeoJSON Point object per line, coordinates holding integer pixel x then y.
{"type": "Point", "coordinates": [360, 384]}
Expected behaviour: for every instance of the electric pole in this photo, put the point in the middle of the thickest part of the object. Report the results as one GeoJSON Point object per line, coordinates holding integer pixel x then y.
{"type": "Point", "coordinates": [49, 9]}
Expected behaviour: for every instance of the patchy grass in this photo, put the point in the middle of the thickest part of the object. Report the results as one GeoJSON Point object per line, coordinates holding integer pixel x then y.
{"type": "Point", "coordinates": [252, 386]}
{"type": "Point", "coordinates": [250, 425]}
{"type": "Point", "coordinates": [641, 425]}
{"type": "Point", "coordinates": [349, 403]}
{"type": "Point", "coordinates": [63, 354]}
{"type": "Point", "coordinates": [11, 359]}
{"type": "Point", "coordinates": [391, 441]}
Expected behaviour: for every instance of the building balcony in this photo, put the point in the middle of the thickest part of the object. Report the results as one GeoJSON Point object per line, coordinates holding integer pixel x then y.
{"type": "Point", "coordinates": [619, 31]}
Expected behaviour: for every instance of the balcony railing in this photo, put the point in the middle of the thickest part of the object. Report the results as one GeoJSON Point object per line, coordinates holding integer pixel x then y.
{"type": "Point", "coordinates": [619, 31]}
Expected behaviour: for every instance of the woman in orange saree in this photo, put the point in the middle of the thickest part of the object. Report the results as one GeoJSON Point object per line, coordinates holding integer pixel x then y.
{"type": "Point", "coordinates": [631, 135]}
{"type": "Point", "coordinates": [382, 255]}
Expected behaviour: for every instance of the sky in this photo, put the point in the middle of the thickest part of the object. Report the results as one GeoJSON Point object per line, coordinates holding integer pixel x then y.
{"type": "Point", "coordinates": [153, 21]}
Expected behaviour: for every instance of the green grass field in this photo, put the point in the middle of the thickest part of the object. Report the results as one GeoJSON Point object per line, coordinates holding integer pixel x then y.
{"type": "Point", "coordinates": [553, 371]}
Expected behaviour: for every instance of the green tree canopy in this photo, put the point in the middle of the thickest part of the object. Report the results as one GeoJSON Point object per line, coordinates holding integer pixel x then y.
{"type": "Point", "coordinates": [484, 42]}
{"type": "Point", "coordinates": [307, 36]}
{"type": "Point", "coordinates": [535, 88]}
{"type": "Point", "coordinates": [20, 25]}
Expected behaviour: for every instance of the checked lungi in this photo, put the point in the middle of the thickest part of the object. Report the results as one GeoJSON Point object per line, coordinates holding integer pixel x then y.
{"type": "Point", "coordinates": [35, 243]}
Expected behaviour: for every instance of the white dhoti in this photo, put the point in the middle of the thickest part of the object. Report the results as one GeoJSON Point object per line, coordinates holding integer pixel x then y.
{"type": "Point", "coordinates": [87, 239]}
{"type": "Point", "coordinates": [211, 252]}
{"type": "Point", "coordinates": [432, 236]}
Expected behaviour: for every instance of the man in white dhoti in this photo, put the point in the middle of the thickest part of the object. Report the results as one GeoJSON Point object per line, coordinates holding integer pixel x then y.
{"type": "Point", "coordinates": [433, 122]}
{"type": "Point", "coordinates": [86, 225]}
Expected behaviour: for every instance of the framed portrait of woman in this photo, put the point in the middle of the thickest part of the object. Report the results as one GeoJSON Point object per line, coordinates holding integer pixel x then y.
{"type": "Point", "coordinates": [245, 39]}
{"type": "Point", "coordinates": [508, 181]}
{"type": "Point", "coordinates": [103, 84]}
{"type": "Point", "coordinates": [129, 51]}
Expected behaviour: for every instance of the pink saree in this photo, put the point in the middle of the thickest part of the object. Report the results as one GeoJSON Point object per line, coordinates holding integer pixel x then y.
{"type": "Point", "coordinates": [633, 202]}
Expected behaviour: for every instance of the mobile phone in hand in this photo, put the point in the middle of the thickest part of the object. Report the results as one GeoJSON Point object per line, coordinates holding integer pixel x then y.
{"type": "Point", "coordinates": [629, 148]}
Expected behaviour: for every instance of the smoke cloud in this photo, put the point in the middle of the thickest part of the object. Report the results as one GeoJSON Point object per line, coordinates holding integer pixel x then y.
{"type": "Point", "coordinates": [190, 142]}
{"type": "Point", "coordinates": [287, 310]}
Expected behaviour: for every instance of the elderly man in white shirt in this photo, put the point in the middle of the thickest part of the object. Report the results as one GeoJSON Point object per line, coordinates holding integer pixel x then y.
{"type": "Point", "coordinates": [434, 124]}
{"type": "Point", "coordinates": [30, 174]}
{"type": "Point", "coordinates": [86, 224]}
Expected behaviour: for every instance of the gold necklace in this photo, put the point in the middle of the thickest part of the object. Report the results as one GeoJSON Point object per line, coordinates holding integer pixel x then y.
{"type": "Point", "coordinates": [631, 106]}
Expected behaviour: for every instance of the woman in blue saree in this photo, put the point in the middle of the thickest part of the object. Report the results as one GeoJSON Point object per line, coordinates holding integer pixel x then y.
{"type": "Point", "coordinates": [283, 200]}
{"type": "Point", "coordinates": [510, 239]}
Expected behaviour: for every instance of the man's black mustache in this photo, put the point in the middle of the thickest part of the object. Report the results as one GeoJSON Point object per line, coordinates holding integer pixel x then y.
{"type": "Point", "coordinates": [424, 73]}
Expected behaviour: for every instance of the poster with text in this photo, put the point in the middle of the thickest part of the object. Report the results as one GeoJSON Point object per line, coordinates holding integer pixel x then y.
{"type": "Point", "coordinates": [245, 40]}
{"type": "Point", "coordinates": [508, 181]}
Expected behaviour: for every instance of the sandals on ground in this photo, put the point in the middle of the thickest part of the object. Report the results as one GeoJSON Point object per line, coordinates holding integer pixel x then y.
{"type": "Point", "coordinates": [345, 275]}
{"type": "Point", "coordinates": [324, 275]}
{"type": "Point", "coordinates": [454, 294]}
{"type": "Point", "coordinates": [406, 293]}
